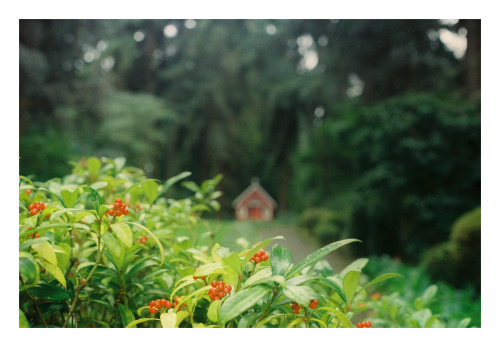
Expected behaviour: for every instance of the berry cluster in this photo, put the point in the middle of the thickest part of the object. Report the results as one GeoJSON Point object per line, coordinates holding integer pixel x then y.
{"type": "Point", "coordinates": [196, 277]}
{"type": "Point", "coordinates": [143, 239]}
{"type": "Point", "coordinates": [36, 207]}
{"type": "Point", "coordinates": [366, 324]}
{"type": "Point", "coordinates": [119, 208]}
{"type": "Point", "coordinates": [295, 307]}
{"type": "Point", "coordinates": [218, 290]}
{"type": "Point", "coordinates": [313, 304]}
{"type": "Point", "coordinates": [177, 299]}
{"type": "Point", "coordinates": [156, 305]}
{"type": "Point", "coordinates": [260, 256]}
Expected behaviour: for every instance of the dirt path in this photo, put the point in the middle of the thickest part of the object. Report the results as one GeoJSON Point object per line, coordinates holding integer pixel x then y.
{"type": "Point", "coordinates": [301, 245]}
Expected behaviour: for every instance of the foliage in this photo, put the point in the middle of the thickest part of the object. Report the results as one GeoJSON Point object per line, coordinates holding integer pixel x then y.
{"type": "Point", "coordinates": [104, 245]}
{"type": "Point", "coordinates": [458, 261]}
{"type": "Point", "coordinates": [405, 167]}
{"type": "Point", "coordinates": [452, 305]}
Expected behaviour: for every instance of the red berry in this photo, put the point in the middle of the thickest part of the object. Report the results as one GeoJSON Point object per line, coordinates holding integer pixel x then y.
{"type": "Point", "coordinates": [163, 302]}
{"type": "Point", "coordinates": [125, 212]}
{"type": "Point", "coordinates": [221, 285]}
{"type": "Point", "coordinates": [111, 212]}
{"type": "Point", "coordinates": [28, 191]}
{"type": "Point", "coordinates": [152, 309]}
{"type": "Point", "coordinates": [168, 304]}
{"type": "Point", "coordinates": [118, 200]}
{"type": "Point", "coordinates": [33, 211]}
{"type": "Point", "coordinates": [31, 206]}
{"type": "Point", "coordinates": [152, 303]}
{"type": "Point", "coordinates": [368, 324]}
{"type": "Point", "coordinates": [157, 303]}
{"type": "Point", "coordinates": [257, 259]}
{"type": "Point", "coordinates": [227, 289]}
{"type": "Point", "coordinates": [313, 304]}
{"type": "Point", "coordinates": [116, 205]}
{"type": "Point", "coordinates": [42, 206]}
{"type": "Point", "coordinates": [37, 236]}
{"type": "Point", "coordinates": [265, 257]}
{"type": "Point", "coordinates": [118, 213]}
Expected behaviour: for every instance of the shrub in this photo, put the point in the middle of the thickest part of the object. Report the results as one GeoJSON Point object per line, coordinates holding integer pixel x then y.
{"type": "Point", "coordinates": [105, 247]}
{"type": "Point", "coordinates": [458, 261]}
{"type": "Point", "coordinates": [325, 224]}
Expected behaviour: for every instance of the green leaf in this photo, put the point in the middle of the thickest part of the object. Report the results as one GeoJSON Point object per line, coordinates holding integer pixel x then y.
{"type": "Point", "coordinates": [168, 320]}
{"type": "Point", "coordinates": [126, 315]}
{"type": "Point", "coordinates": [99, 185]}
{"type": "Point", "coordinates": [138, 267]}
{"type": "Point", "coordinates": [234, 262]}
{"type": "Point", "coordinates": [350, 284]}
{"type": "Point", "coordinates": [335, 284]}
{"type": "Point", "coordinates": [46, 251]}
{"type": "Point", "coordinates": [320, 253]}
{"type": "Point", "coordinates": [153, 236]}
{"type": "Point", "coordinates": [262, 244]}
{"type": "Point", "coordinates": [295, 322]}
{"type": "Point", "coordinates": [95, 198]}
{"type": "Point", "coordinates": [381, 278]}
{"type": "Point", "coordinates": [281, 259]}
{"type": "Point", "coordinates": [300, 294]}
{"type": "Point", "coordinates": [69, 198]}
{"type": "Point", "coordinates": [295, 281]}
{"type": "Point", "coordinates": [464, 323]}
{"type": "Point", "coordinates": [93, 165]}
{"type": "Point", "coordinates": [123, 233]}
{"type": "Point", "coordinates": [28, 267]}
{"type": "Point", "coordinates": [429, 294]}
{"type": "Point", "coordinates": [53, 270]}
{"type": "Point", "coordinates": [242, 301]}
{"type": "Point", "coordinates": [270, 318]}
{"type": "Point", "coordinates": [150, 189]}
{"type": "Point", "coordinates": [171, 181]}
{"type": "Point", "coordinates": [49, 292]}
{"type": "Point", "coordinates": [114, 247]}
{"type": "Point", "coordinates": [213, 311]}
{"type": "Point", "coordinates": [356, 265]}
{"type": "Point", "coordinates": [23, 322]}
{"type": "Point", "coordinates": [137, 321]}
{"type": "Point", "coordinates": [264, 276]}
{"type": "Point", "coordinates": [209, 269]}
{"type": "Point", "coordinates": [340, 316]}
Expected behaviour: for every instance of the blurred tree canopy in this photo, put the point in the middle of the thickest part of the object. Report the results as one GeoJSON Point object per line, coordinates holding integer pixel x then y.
{"type": "Point", "coordinates": [379, 118]}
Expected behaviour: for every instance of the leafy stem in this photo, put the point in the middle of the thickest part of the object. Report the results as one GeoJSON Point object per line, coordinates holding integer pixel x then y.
{"type": "Point", "coordinates": [85, 282]}
{"type": "Point", "coordinates": [37, 309]}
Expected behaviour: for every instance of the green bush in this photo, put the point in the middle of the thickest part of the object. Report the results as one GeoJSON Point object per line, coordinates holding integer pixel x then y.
{"type": "Point", "coordinates": [458, 261]}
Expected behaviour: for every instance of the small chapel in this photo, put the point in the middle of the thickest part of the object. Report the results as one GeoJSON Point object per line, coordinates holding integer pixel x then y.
{"type": "Point", "coordinates": [254, 203]}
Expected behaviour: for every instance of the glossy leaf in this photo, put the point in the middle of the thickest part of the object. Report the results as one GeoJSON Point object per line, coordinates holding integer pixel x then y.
{"type": "Point", "coordinates": [69, 198]}
{"type": "Point", "coordinates": [53, 270]}
{"type": "Point", "coordinates": [350, 284]}
{"type": "Point", "coordinates": [281, 259]}
{"type": "Point", "coordinates": [28, 267]}
{"type": "Point", "coordinates": [213, 311]}
{"type": "Point", "coordinates": [123, 233]}
{"type": "Point", "coordinates": [93, 166]}
{"type": "Point", "coordinates": [320, 253]}
{"type": "Point", "coordinates": [340, 316]}
{"type": "Point", "coordinates": [242, 301]}
{"type": "Point", "coordinates": [95, 198]}
{"type": "Point", "coordinates": [126, 315]}
{"type": "Point", "coordinates": [381, 278]}
{"type": "Point", "coordinates": [300, 294]}
{"type": "Point", "coordinates": [49, 292]}
{"type": "Point", "coordinates": [113, 246]}
{"type": "Point", "coordinates": [46, 251]}
{"type": "Point", "coordinates": [168, 320]}
{"type": "Point", "coordinates": [23, 322]}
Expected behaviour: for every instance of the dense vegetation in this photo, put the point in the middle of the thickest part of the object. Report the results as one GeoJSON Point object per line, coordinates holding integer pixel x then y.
{"type": "Point", "coordinates": [377, 121]}
{"type": "Point", "coordinates": [106, 247]}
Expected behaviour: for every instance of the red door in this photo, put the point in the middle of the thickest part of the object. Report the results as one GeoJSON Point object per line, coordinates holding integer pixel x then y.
{"type": "Point", "coordinates": [254, 213]}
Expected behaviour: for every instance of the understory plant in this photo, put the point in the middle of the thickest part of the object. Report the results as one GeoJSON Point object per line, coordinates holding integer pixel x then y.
{"type": "Point", "coordinates": [105, 246]}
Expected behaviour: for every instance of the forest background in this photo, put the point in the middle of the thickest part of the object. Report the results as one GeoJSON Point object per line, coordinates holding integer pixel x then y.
{"type": "Point", "coordinates": [376, 120]}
